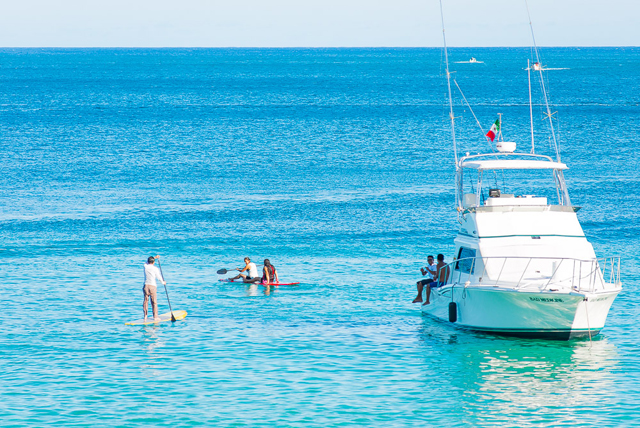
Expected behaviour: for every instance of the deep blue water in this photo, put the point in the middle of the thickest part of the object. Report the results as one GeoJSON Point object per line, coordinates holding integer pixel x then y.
{"type": "Point", "coordinates": [337, 165]}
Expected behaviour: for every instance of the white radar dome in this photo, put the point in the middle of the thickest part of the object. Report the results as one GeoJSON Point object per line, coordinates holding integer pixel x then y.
{"type": "Point", "coordinates": [506, 146]}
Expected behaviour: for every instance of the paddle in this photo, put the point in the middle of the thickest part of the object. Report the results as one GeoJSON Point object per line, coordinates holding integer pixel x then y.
{"type": "Point", "coordinates": [224, 271]}
{"type": "Point", "coordinates": [173, 318]}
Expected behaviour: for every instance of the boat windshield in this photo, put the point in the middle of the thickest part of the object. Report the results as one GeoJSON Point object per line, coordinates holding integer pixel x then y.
{"type": "Point", "coordinates": [511, 183]}
{"type": "Point", "coordinates": [534, 186]}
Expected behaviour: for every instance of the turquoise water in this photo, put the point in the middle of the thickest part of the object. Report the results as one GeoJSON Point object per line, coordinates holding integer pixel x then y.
{"type": "Point", "coordinates": [335, 164]}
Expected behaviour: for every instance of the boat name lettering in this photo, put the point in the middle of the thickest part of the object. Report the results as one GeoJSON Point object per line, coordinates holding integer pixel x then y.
{"type": "Point", "coordinates": [546, 299]}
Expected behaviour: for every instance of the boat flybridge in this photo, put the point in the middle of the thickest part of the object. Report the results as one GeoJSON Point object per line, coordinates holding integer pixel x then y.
{"type": "Point", "coordinates": [522, 264]}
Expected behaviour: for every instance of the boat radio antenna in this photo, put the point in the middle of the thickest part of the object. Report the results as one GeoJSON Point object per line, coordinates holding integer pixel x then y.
{"type": "Point", "coordinates": [530, 107]}
{"type": "Point", "coordinates": [446, 60]}
{"type": "Point", "coordinates": [544, 89]}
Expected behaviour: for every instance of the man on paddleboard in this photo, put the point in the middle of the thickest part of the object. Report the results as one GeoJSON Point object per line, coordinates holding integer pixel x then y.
{"type": "Point", "coordinates": [251, 274]}
{"type": "Point", "coordinates": [151, 273]}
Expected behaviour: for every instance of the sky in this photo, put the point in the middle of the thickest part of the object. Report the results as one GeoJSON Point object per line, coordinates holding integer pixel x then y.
{"type": "Point", "coordinates": [316, 23]}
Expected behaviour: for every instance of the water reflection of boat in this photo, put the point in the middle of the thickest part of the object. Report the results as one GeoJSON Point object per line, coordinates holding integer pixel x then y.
{"type": "Point", "coordinates": [512, 382]}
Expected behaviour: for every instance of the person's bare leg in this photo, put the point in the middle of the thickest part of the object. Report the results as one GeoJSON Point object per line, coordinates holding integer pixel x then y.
{"type": "Point", "coordinates": [250, 281]}
{"type": "Point", "coordinates": [418, 298]}
{"type": "Point", "coordinates": [428, 295]}
{"type": "Point", "coordinates": [154, 306]}
{"type": "Point", "coordinates": [145, 306]}
{"type": "Point", "coordinates": [236, 277]}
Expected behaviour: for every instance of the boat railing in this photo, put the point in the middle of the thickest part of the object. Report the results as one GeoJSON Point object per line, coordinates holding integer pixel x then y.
{"type": "Point", "coordinates": [544, 273]}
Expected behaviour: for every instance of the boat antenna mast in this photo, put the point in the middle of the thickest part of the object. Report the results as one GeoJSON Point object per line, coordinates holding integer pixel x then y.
{"type": "Point", "coordinates": [530, 107]}
{"type": "Point", "coordinates": [446, 60]}
{"type": "Point", "coordinates": [544, 90]}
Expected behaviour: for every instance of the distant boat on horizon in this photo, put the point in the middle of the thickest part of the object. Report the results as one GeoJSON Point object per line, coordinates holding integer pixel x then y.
{"type": "Point", "coordinates": [471, 61]}
{"type": "Point", "coordinates": [536, 66]}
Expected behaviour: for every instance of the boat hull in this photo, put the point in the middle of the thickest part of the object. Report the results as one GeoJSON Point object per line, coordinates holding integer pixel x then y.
{"type": "Point", "coordinates": [534, 314]}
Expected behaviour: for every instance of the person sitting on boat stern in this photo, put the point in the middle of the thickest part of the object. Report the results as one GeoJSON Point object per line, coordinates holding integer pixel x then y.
{"type": "Point", "coordinates": [251, 270]}
{"type": "Point", "coordinates": [151, 273]}
{"type": "Point", "coordinates": [430, 272]}
{"type": "Point", "coordinates": [442, 274]}
{"type": "Point", "coordinates": [269, 273]}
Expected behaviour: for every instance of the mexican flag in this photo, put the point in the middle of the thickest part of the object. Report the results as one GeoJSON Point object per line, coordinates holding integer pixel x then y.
{"type": "Point", "coordinates": [495, 130]}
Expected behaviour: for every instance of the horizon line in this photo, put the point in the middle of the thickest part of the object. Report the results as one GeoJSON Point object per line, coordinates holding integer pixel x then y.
{"type": "Point", "coordinates": [315, 47]}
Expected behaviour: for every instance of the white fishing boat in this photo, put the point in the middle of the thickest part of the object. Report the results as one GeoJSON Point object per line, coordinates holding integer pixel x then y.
{"type": "Point", "coordinates": [522, 265]}
{"type": "Point", "coordinates": [471, 61]}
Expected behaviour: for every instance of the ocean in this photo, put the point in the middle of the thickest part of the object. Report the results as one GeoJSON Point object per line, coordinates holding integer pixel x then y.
{"type": "Point", "coordinates": [337, 165]}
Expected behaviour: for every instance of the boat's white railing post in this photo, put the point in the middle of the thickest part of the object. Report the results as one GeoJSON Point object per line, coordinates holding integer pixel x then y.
{"type": "Point", "coordinates": [558, 187]}
{"type": "Point", "coordinates": [553, 274]}
{"type": "Point", "coordinates": [459, 189]}
{"type": "Point", "coordinates": [563, 186]}
{"type": "Point", "coordinates": [501, 269]}
{"type": "Point", "coordinates": [484, 269]}
{"type": "Point", "coordinates": [619, 280]}
{"type": "Point", "coordinates": [611, 276]}
{"type": "Point", "coordinates": [473, 264]}
{"type": "Point", "coordinates": [573, 275]}
{"type": "Point", "coordinates": [479, 188]}
{"type": "Point", "coordinates": [523, 273]}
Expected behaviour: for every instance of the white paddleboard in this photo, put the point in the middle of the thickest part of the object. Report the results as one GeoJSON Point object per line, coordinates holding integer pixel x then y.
{"type": "Point", "coordinates": [164, 317]}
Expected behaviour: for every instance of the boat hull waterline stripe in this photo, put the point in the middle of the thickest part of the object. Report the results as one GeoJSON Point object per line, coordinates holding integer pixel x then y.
{"type": "Point", "coordinates": [521, 236]}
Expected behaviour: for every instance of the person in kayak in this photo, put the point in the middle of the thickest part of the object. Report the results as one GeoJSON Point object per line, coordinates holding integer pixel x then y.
{"type": "Point", "coordinates": [269, 273]}
{"type": "Point", "coordinates": [151, 273]}
{"type": "Point", "coordinates": [251, 274]}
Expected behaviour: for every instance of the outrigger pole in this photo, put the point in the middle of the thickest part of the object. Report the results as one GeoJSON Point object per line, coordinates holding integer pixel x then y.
{"type": "Point", "coordinates": [446, 60]}
{"type": "Point", "coordinates": [544, 90]}
{"type": "Point", "coordinates": [530, 106]}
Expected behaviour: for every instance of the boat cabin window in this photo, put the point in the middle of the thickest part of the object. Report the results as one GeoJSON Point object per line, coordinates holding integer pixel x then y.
{"type": "Point", "coordinates": [465, 261]}
{"type": "Point", "coordinates": [512, 187]}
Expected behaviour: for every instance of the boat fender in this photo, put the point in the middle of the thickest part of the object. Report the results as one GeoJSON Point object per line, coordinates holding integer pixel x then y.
{"type": "Point", "coordinates": [453, 312]}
